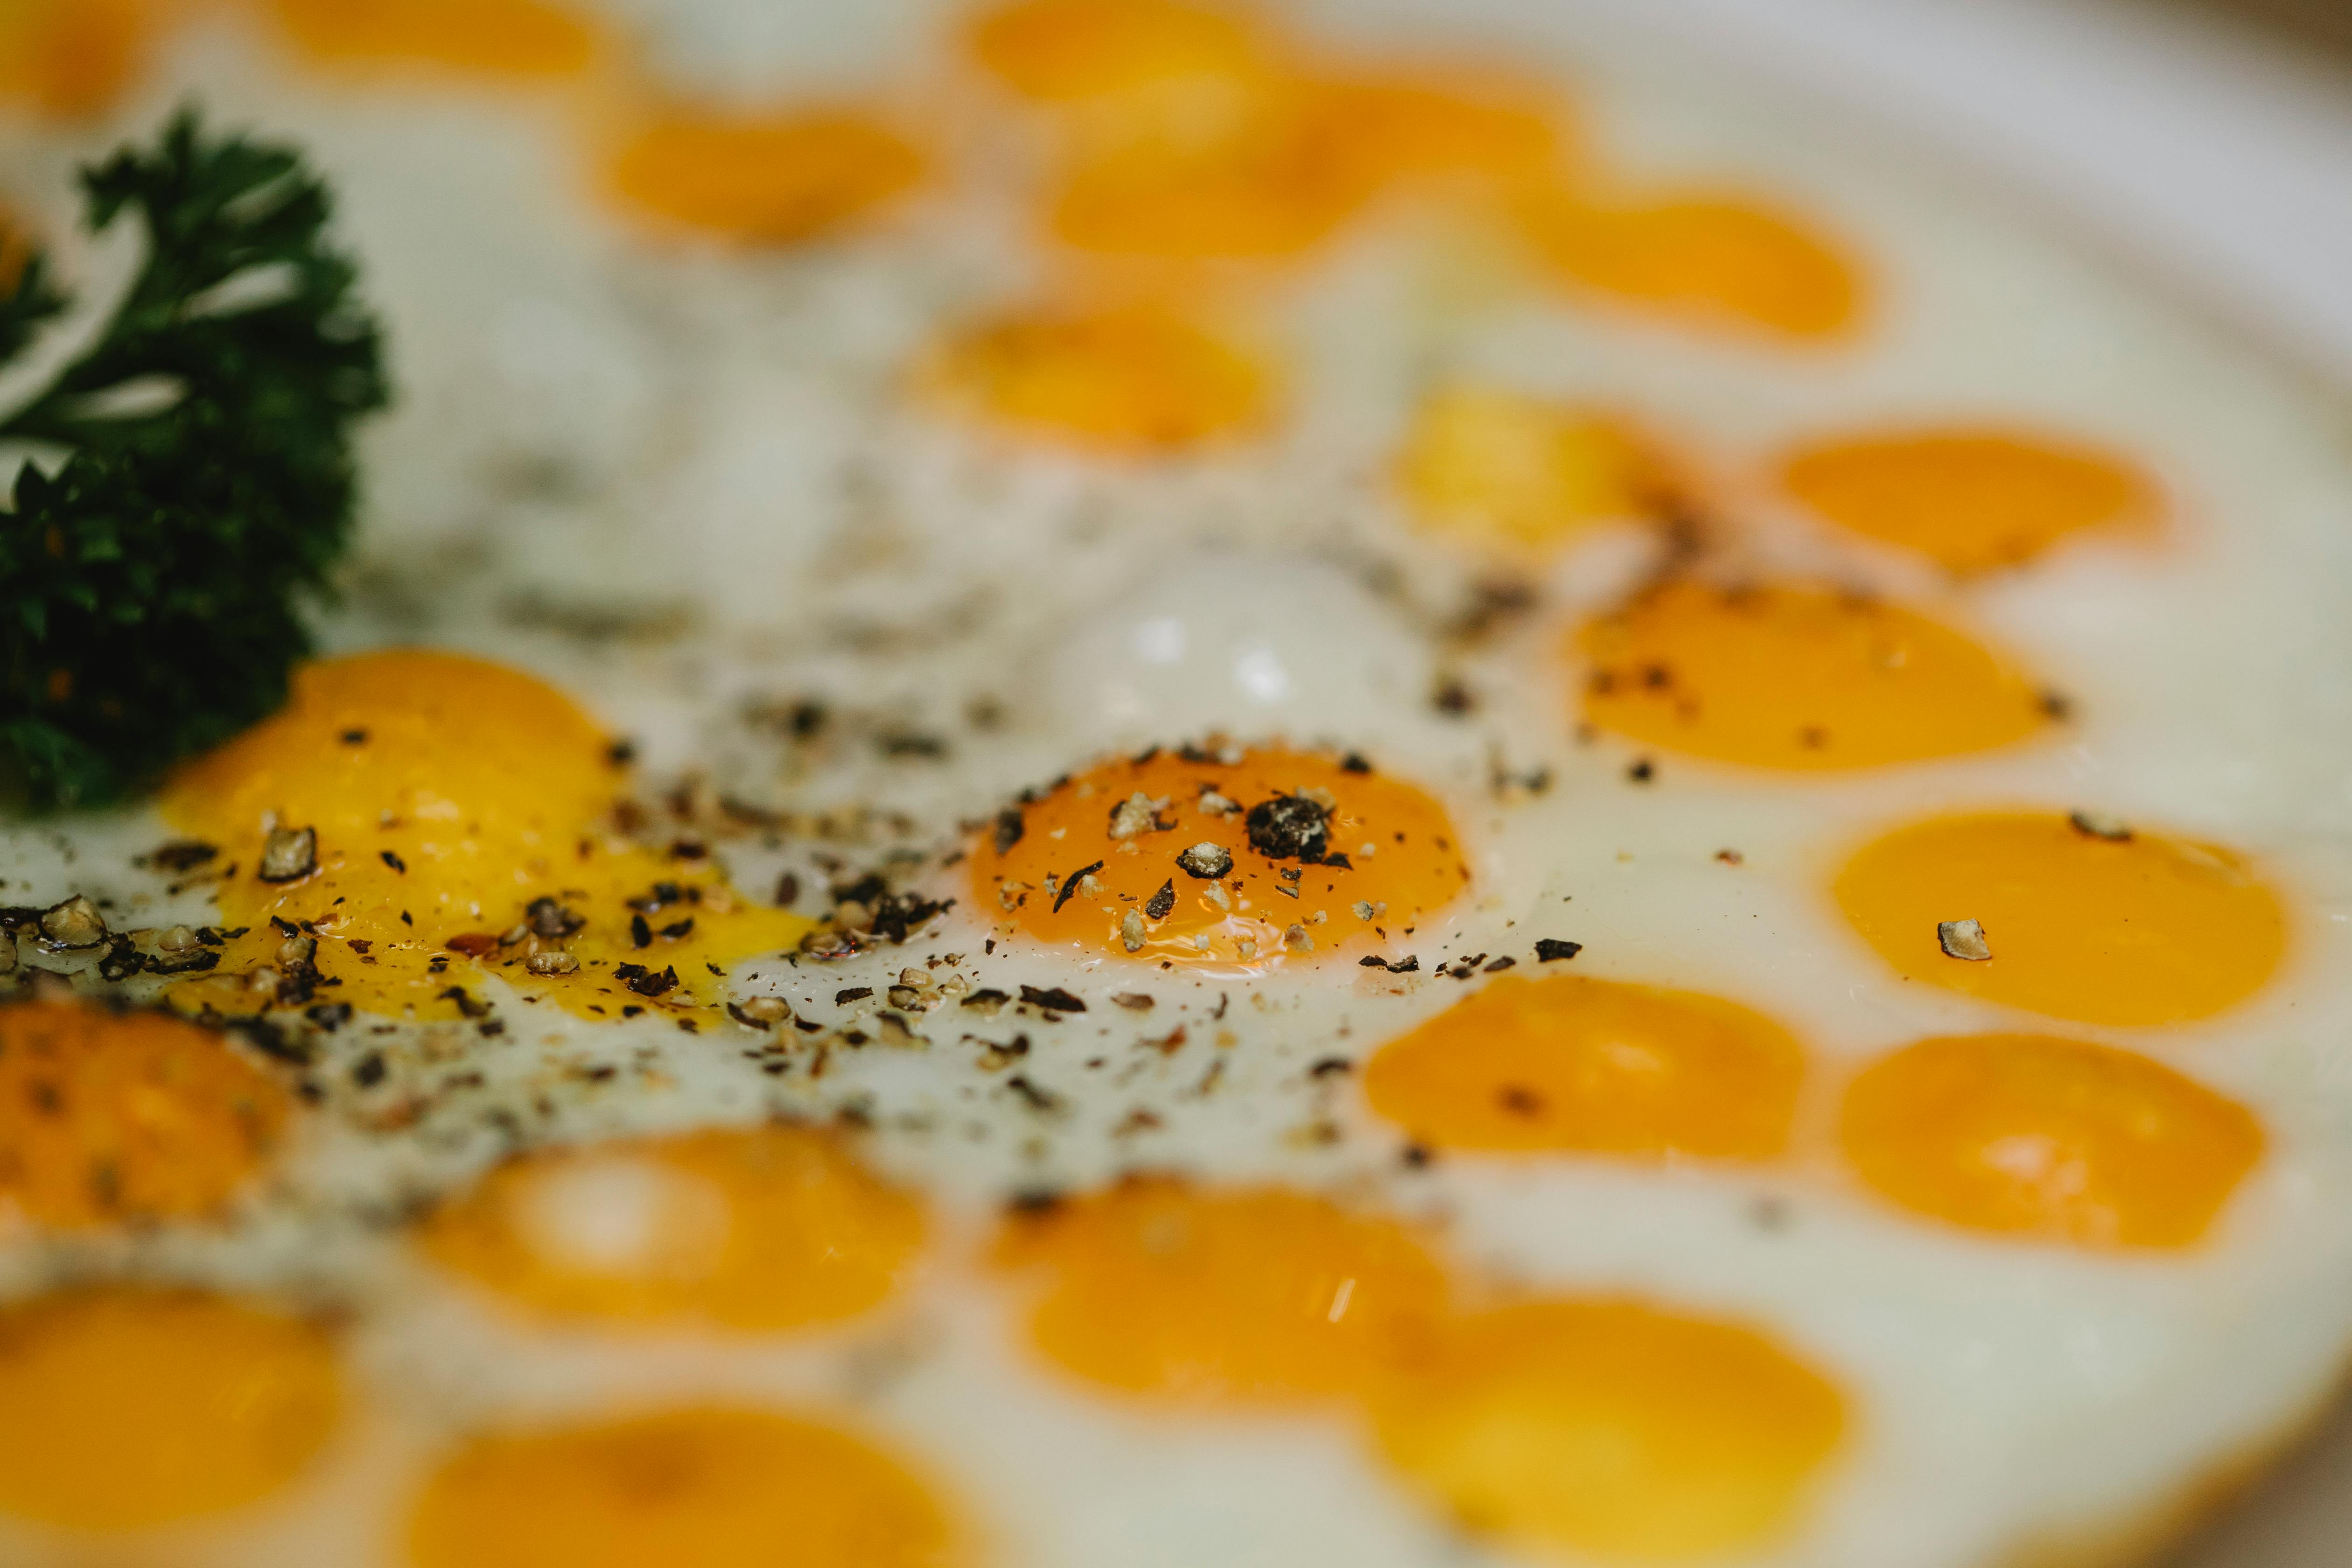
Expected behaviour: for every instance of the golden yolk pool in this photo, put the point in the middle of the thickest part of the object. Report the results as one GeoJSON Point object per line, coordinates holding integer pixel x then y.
{"type": "Point", "coordinates": [1505, 469]}
{"type": "Point", "coordinates": [767, 179]}
{"type": "Point", "coordinates": [486, 38]}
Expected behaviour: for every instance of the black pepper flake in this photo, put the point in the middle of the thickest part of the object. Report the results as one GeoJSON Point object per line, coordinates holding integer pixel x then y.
{"type": "Point", "coordinates": [1548, 949]}
{"type": "Point", "coordinates": [630, 1010]}
{"type": "Point", "coordinates": [1339, 861]}
{"type": "Point", "coordinates": [356, 737]}
{"type": "Point", "coordinates": [183, 853]}
{"type": "Point", "coordinates": [1033, 1203]}
{"type": "Point", "coordinates": [1037, 1099]}
{"type": "Point", "coordinates": [368, 1072]}
{"type": "Point", "coordinates": [1354, 763]}
{"type": "Point", "coordinates": [644, 980]}
{"type": "Point", "coordinates": [471, 1006]}
{"type": "Point", "coordinates": [1506, 961]}
{"type": "Point", "coordinates": [1009, 825]}
{"type": "Point", "coordinates": [329, 1016]}
{"type": "Point", "coordinates": [1410, 964]}
{"type": "Point", "coordinates": [640, 933]}
{"type": "Point", "coordinates": [1070, 884]}
{"type": "Point", "coordinates": [1332, 1067]}
{"type": "Point", "coordinates": [394, 861]}
{"type": "Point", "coordinates": [1643, 771]}
{"type": "Point", "coordinates": [621, 754]}
{"type": "Point", "coordinates": [1288, 827]}
{"type": "Point", "coordinates": [677, 929]}
{"type": "Point", "coordinates": [1162, 903]}
{"type": "Point", "coordinates": [1052, 999]}
{"type": "Point", "coordinates": [848, 994]}
{"type": "Point", "coordinates": [788, 890]}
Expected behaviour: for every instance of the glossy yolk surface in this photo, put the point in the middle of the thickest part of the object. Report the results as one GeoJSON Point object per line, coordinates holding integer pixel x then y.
{"type": "Point", "coordinates": [128, 1409]}
{"type": "Point", "coordinates": [1522, 471]}
{"type": "Point", "coordinates": [1337, 862]}
{"type": "Point", "coordinates": [109, 1117]}
{"type": "Point", "coordinates": [773, 1228]}
{"type": "Point", "coordinates": [490, 37]}
{"type": "Point", "coordinates": [1564, 1063]}
{"type": "Point", "coordinates": [711, 1488]}
{"type": "Point", "coordinates": [1614, 1429]}
{"type": "Point", "coordinates": [447, 795]}
{"type": "Point", "coordinates": [2062, 1140]}
{"type": "Point", "coordinates": [1066, 51]}
{"type": "Point", "coordinates": [2148, 928]}
{"type": "Point", "coordinates": [1246, 1297]}
{"type": "Point", "coordinates": [72, 59]}
{"type": "Point", "coordinates": [770, 180]}
{"type": "Point", "coordinates": [1134, 380]}
{"type": "Point", "coordinates": [1799, 677]}
{"type": "Point", "coordinates": [1970, 500]}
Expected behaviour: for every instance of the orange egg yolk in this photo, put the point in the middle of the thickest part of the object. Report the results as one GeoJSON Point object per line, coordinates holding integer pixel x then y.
{"type": "Point", "coordinates": [1251, 1297]}
{"type": "Point", "coordinates": [451, 804]}
{"type": "Point", "coordinates": [1614, 1429]}
{"type": "Point", "coordinates": [1568, 1064]}
{"type": "Point", "coordinates": [1971, 502]}
{"type": "Point", "coordinates": [1507, 469]}
{"type": "Point", "coordinates": [712, 1487]}
{"type": "Point", "coordinates": [1277, 857]}
{"type": "Point", "coordinates": [1271, 189]}
{"type": "Point", "coordinates": [2101, 923]}
{"type": "Point", "coordinates": [1063, 51]}
{"type": "Point", "coordinates": [773, 1228]}
{"type": "Point", "coordinates": [1711, 261]}
{"type": "Point", "coordinates": [486, 38]}
{"type": "Point", "coordinates": [1800, 677]}
{"type": "Point", "coordinates": [1405, 124]}
{"type": "Point", "coordinates": [108, 1117]}
{"type": "Point", "coordinates": [771, 180]}
{"type": "Point", "coordinates": [128, 1409]}
{"type": "Point", "coordinates": [1138, 380]}
{"type": "Point", "coordinates": [2061, 1140]}
{"type": "Point", "coordinates": [73, 59]}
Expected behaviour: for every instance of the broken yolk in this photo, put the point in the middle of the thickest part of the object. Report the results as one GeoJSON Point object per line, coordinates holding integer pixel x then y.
{"type": "Point", "coordinates": [774, 1227]}
{"type": "Point", "coordinates": [1567, 1064]}
{"type": "Point", "coordinates": [771, 180]}
{"type": "Point", "coordinates": [486, 38]}
{"type": "Point", "coordinates": [1799, 677]}
{"type": "Point", "coordinates": [1179, 857]}
{"type": "Point", "coordinates": [1971, 501]}
{"type": "Point", "coordinates": [73, 59]}
{"type": "Point", "coordinates": [716, 1488]}
{"type": "Point", "coordinates": [2099, 923]}
{"type": "Point", "coordinates": [113, 1117]}
{"type": "Point", "coordinates": [1061, 51]}
{"type": "Point", "coordinates": [1134, 380]}
{"type": "Point", "coordinates": [1712, 261]}
{"type": "Point", "coordinates": [1518, 471]}
{"type": "Point", "coordinates": [459, 819]}
{"type": "Point", "coordinates": [132, 1408]}
{"type": "Point", "coordinates": [1612, 1428]}
{"type": "Point", "coordinates": [2028, 1135]}
{"type": "Point", "coordinates": [1249, 1297]}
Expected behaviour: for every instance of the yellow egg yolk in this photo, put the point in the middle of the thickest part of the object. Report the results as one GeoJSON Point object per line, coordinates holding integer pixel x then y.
{"type": "Point", "coordinates": [697, 1488]}
{"type": "Point", "coordinates": [459, 819]}
{"type": "Point", "coordinates": [1272, 188]}
{"type": "Point", "coordinates": [73, 59]}
{"type": "Point", "coordinates": [773, 1228]}
{"type": "Point", "coordinates": [2061, 1139]}
{"type": "Point", "coordinates": [1970, 500]}
{"type": "Point", "coordinates": [2085, 919]}
{"type": "Point", "coordinates": [1063, 51]}
{"type": "Point", "coordinates": [1404, 124]}
{"type": "Point", "coordinates": [770, 180]}
{"type": "Point", "coordinates": [1567, 1064]}
{"type": "Point", "coordinates": [486, 38]}
{"type": "Point", "coordinates": [1508, 469]}
{"type": "Point", "coordinates": [107, 1118]}
{"type": "Point", "coordinates": [1241, 1297]}
{"type": "Point", "coordinates": [128, 1409]}
{"type": "Point", "coordinates": [1612, 1428]}
{"type": "Point", "coordinates": [1799, 677]}
{"type": "Point", "coordinates": [1177, 858]}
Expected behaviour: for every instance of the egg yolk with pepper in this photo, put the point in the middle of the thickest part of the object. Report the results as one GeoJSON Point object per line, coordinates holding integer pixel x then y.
{"type": "Point", "coordinates": [766, 180]}
{"type": "Point", "coordinates": [771, 1227]}
{"type": "Point", "coordinates": [412, 821]}
{"type": "Point", "coordinates": [128, 1409]}
{"type": "Point", "coordinates": [2084, 917]}
{"type": "Point", "coordinates": [485, 37]}
{"type": "Point", "coordinates": [708, 1486]}
{"type": "Point", "coordinates": [1512, 471]}
{"type": "Point", "coordinates": [1184, 858]}
{"type": "Point", "coordinates": [1800, 677]}
{"type": "Point", "coordinates": [73, 59]}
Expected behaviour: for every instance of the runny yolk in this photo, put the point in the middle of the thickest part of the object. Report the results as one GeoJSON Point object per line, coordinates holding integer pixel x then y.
{"type": "Point", "coordinates": [767, 179]}
{"type": "Point", "coordinates": [128, 1409]}
{"type": "Point", "coordinates": [73, 59]}
{"type": "Point", "coordinates": [773, 1228]}
{"type": "Point", "coordinates": [1612, 1428]}
{"type": "Point", "coordinates": [2061, 1140]}
{"type": "Point", "coordinates": [1566, 1063]}
{"type": "Point", "coordinates": [709, 1487]}
{"type": "Point", "coordinates": [1063, 51]}
{"type": "Point", "coordinates": [113, 1117]}
{"type": "Point", "coordinates": [1249, 1297]}
{"type": "Point", "coordinates": [486, 38]}
{"type": "Point", "coordinates": [1799, 677]}
{"type": "Point", "coordinates": [1970, 500]}
{"type": "Point", "coordinates": [1179, 857]}
{"type": "Point", "coordinates": [1137, 379]}
{"type": "Point", "coordinates": [1509, 470]}
{"type": "Point", "coordinates": [459, 812]}
{"type": "Point", "coordinates": [2100, 923]}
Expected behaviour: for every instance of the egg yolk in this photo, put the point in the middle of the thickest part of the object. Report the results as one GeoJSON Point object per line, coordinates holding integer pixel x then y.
{"type": "Point", "coordinates": [774, 1227]}
{"type": "Point", "coordinates": [1711, 261]}
{"type": "Point", "coordinates": [771, 180]}
{"type": "Point", "coordinates": [1271, 190]}
{"type": "Point", "coordinates": [709, 1487]}
{"type": "Point", "coordinates": [2098, 923]}
{"type": "Point", "coordinates": [488, 37]}
{"type": "Point", "coordinates": [1971, 501]}
{"type": "Point", "coordinates": [457, 813]}
{"type": "Point", "coordinates": [1612, 1428]}
{"type": "Point", "coordinates": [1134, 380]}
{"type": "Point", "coordinates": [129, 1408]}
{"type": "Point", "coordinates": [1799, 677]}
{"type": "Point", "coordinates": [2028, 1135]}
{"type": "Point", "coordinates": [111, 1117]}
{"type": "Point", "coordinates": [1564, 1063]}
{"type": "Point", "coordinates": [1177, 857]}
{"type": "Point", "coordinates": [1406, 124]}
{"type": "Point", "coordinates": [1249, 1297]}
{"type": "Point", "coordinates": [72, 59]}
{"type": "Point", "coordinates": [1508, 469]}
{"type": "Point", "coordinates": [1063, 51]}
